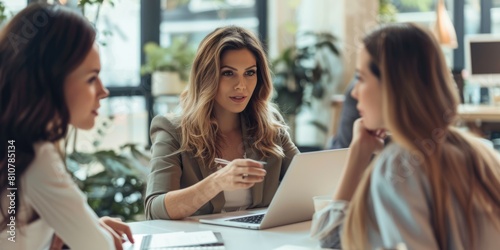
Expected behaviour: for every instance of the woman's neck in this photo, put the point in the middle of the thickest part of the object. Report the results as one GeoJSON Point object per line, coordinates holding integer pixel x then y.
{"type": "Point", "coordinates": [231, 145]}
{"type": "Point", "coordinates": [228, 122]}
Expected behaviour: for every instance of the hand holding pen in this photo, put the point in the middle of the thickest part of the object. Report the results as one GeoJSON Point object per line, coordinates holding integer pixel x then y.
{"type": "Point", "coordinates": [239, 173]}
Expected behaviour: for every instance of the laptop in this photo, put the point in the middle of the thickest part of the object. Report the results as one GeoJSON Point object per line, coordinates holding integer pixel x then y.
{"type": "Point", "coordinates": [309, 174]}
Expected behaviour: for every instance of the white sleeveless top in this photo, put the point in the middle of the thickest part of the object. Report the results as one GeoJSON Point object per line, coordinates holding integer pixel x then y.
{"type": "Point", "coordinates": [236, 200]}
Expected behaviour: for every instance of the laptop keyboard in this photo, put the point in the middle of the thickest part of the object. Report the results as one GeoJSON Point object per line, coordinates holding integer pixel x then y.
{"type": "Point", "coordinates": [254, 219]}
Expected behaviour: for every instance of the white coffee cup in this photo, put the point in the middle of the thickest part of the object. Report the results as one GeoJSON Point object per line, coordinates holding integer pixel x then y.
{"type": "Point", "coordinates": [321, 201]}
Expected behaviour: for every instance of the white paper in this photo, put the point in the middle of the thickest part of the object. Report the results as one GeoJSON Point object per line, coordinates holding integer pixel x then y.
{"type": "Point", "coordinates": [174, 239]}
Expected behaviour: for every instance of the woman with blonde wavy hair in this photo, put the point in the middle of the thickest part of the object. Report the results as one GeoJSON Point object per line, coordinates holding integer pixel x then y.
{"type": "Point", "coordinates": [226, 113]}
{"type": "Point", "coordinates": [433, 186]}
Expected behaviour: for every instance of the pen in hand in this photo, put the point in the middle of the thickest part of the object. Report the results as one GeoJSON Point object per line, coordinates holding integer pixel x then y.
{"type": "Point", "coordinates": [223, 161]}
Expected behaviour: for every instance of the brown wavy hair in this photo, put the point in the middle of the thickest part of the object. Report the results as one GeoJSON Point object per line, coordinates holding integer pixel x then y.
{"type": "Point", "coordinates": [39, 47]}
{"type": "Point", "coordinates": [199, 127]}
{"type": "Point", "coordinates": [459, 167]}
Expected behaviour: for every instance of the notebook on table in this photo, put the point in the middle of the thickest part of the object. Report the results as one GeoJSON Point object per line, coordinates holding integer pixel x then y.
{"type": "Point", "coordinates": [309, 174]}
{"type": "Point", "coordinates": [177, 241]}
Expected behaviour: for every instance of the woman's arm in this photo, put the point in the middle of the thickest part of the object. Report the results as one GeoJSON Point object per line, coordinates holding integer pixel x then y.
{"type": "Point", "coordinates": [58, 201]}
{"type": "Point", "coordinates": [164, 197]}
{"type": "Point", "coordinates": [327, 223]}
{"type": "Point", "coordinates": [364, 144]}
{"type": "Point", "coordinates": [184, 202]}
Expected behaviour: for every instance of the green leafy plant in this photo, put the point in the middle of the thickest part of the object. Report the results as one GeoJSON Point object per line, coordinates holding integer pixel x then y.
{"type": "Point", "coordinates": [3, 15]}
{"type": "Point", "coordinates": [416, 5]}
{"type": "Point", "coordinates": [300, 72]}
{"type": "Point", "coordinates": [114, 182]}
{"type": "Point", "coordinates": [387, 11]}
{"type": "Point", "coordinates": [175, 58]}
{"type": "Point", "coordinates": [83, 3]}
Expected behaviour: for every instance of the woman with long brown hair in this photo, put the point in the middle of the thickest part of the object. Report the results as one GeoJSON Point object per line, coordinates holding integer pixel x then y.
{"type": "Point", "coordinates": [433, 186]}
{"type": "Point", "coordinates": [49, 79]}
{"type": "Point", "coordinates": [226, 113]}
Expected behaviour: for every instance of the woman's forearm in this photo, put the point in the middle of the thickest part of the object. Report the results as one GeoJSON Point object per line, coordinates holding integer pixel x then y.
{"type": "Point", "coordinates": [357, 161]}
{"type": "Point", "coordinates": [184, 202]}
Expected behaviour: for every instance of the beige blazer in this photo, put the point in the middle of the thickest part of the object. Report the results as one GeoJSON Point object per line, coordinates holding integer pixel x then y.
{"type": "Point", "coordinates": [176, 171]}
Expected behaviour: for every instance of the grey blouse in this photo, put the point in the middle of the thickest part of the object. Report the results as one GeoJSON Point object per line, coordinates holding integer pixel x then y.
{"type": "Point", "coordinates": [400, 198]}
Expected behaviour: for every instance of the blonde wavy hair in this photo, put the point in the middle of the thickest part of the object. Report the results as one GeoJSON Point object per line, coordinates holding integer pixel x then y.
{"type": "Point", "coordinates": [199, 127]}
{"type": "Point", "coordinates": [409, 62]}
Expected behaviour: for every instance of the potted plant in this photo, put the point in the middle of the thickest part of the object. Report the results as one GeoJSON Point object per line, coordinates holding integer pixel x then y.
{"type": "Point", "coordinates": [169, 67]}
{"type": "Point", "coordinates": [114, 181]}
{"type": "Point", "coordinates": [303, 73]}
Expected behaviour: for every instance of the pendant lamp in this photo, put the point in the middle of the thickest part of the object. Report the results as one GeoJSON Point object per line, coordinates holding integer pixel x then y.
{"type": "Point", "coordinates": [444, 30]}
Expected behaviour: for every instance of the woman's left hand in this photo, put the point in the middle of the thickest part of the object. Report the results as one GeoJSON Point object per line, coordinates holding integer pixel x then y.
{"type": "Point", "coordinates": [114, 226]}
{"type": "Point", "coordinates": [117, 228]}
{"type": "Point", "coordinates": [56, 243]}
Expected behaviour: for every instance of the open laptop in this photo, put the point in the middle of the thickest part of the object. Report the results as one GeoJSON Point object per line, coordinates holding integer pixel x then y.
{"type": "Point", "coordinates": [309, 174]}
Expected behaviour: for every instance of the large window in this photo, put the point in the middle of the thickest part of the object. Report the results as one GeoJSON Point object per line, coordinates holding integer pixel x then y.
{"type": "Point", "coordinates": [472, 16]}
{"type": "Point", "coordinates": [128, 122]}
{"type": "Point", "coordinates": [13, 6]}
{"type": "Point", "coordinates": [196, 18]}
{"type": "Point", "coordinates": [119, 37]}
{"type": "Point", "coordinates": [121, 121]}
{"type": "Point", "coordinates": [423, 12]}
{"type": "Point", "coordinates": [418, 11]}
{"type": "Point", "coordinates": [495, 17]}
{"type": "Point", "coordinates": [119, 34]}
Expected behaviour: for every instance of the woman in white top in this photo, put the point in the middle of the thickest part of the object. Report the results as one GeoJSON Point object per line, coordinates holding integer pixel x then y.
{"type": "Point", "coordinates": [49, 78]}
{"type": "Point", "coordinates": [433, 187]}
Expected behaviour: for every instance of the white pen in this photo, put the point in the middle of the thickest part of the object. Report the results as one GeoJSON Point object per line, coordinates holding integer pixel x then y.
{"type": "Point", "coordinates": [222, 161]}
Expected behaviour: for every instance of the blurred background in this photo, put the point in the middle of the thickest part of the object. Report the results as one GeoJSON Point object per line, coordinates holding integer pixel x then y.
{"type": "Point", "coordinates": [146, 48]}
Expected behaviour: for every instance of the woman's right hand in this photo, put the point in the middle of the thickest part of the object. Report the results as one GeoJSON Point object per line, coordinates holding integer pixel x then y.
{"type": "Point", "coordinates": [364, 143]}
{"type": "Point", "coordinates": [370, 142]}
{"type": "Point", "coordinates": [239, 174]}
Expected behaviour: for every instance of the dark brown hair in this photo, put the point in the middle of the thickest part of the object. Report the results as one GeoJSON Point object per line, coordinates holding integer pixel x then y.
{"type": "Point", "coordinates": [39, 47]}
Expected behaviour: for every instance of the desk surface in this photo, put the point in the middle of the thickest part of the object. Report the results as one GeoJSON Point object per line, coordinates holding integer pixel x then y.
{"type": "Point", "coordinates": [294, 236]}
{"type": "Point", "coordinates": [485, 113]}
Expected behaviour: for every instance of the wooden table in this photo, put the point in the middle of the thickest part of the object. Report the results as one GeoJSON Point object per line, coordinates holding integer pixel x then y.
{"type": "Point", "coordinates": [479, 113]}
{"type": "Point", "coordinates": [480, 119]}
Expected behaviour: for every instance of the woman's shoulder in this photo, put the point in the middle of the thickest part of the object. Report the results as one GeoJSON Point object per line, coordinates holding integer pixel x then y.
{"type": "Point", "coordinates": [47, 164]}
{"type": "Point", "coordinates": [398, 178]}
{"type": "Point", "coordinates": [166, 128]}
{"type": "Point", "coordinates": [397, 164]}
{"type": "Point", "coordinates": [166, 121]}
{"type": "Point", "coordinates": [46, 153]}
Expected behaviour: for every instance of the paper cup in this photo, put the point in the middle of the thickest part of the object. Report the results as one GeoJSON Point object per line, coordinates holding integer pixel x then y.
{"type": "Point", "coordinates": [321, 201]}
